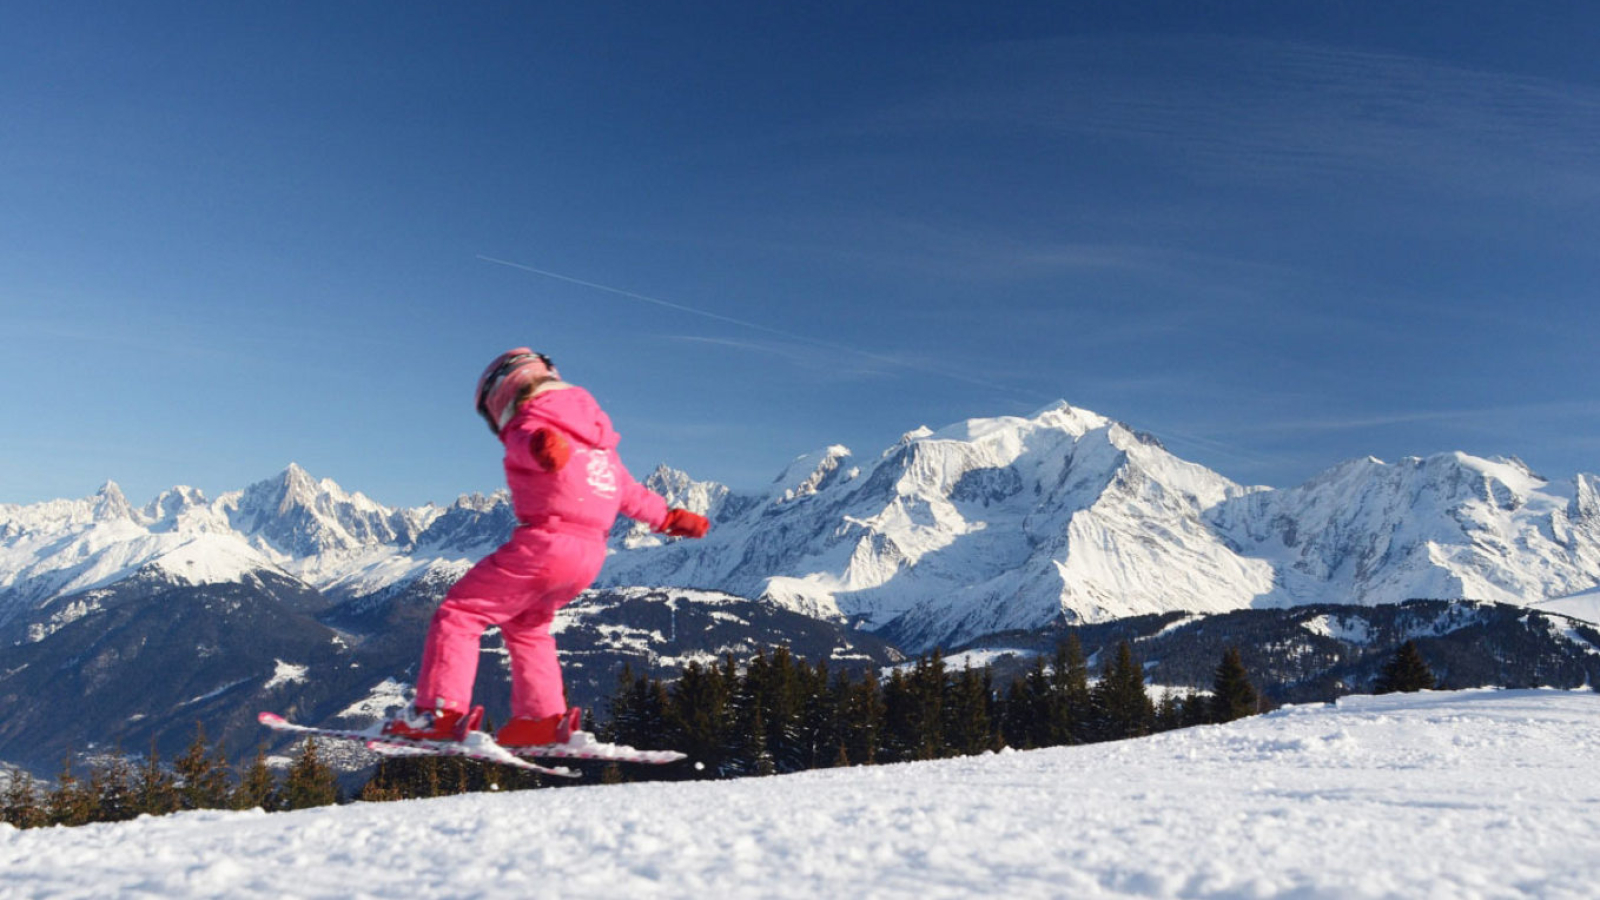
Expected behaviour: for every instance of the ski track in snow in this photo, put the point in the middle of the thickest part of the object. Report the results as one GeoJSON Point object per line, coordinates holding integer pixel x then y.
{"type": "Point", "coordinates": [1438, 795]}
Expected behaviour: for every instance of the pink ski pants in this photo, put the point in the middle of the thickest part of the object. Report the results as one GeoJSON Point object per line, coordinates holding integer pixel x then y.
{"type": "Point", "coordinates": [519, 587]}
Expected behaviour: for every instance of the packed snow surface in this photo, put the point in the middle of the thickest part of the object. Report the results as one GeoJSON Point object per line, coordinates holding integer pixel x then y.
{"type": "Point", "coordinates": [1449, 795]}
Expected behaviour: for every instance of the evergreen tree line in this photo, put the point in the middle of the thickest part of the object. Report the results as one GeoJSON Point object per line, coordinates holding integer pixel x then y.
{"type": "Point", "coordinates": [777, 713]}
{"type": "Point", "coordinates": [117, 790]}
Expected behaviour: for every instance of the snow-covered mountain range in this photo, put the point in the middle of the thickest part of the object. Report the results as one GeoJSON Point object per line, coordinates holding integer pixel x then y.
{"type": "Point", "coordinates": [1005, 523]}
{"type": "Point", "coordinates": [988, 525]}
{"type": "Point", "coordinates": [58, 559]}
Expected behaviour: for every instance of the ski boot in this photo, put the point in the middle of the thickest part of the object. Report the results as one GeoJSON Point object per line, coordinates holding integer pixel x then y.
{"type": "Point", "coordinates": [525, 732]}
{"type": "Point", "coordinates": [438, 724]}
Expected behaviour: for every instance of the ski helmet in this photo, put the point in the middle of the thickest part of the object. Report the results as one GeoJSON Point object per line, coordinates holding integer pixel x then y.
{"type": "Point", "coordinates": [504, 379]}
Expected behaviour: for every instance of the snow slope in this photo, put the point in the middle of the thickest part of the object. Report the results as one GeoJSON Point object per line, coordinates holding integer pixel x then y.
{"type": "Point", "coordinates": [1448, 795]}
{"type": "Point", "coordinates": [1584, 605]}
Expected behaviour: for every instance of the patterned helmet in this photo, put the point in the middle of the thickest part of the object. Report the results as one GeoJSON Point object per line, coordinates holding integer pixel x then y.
{"type": "Point", "coordinates": [504, 379]}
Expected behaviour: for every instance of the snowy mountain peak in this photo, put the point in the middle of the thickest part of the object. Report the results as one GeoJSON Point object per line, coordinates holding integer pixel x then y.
{"type": "Point", "coordinates": [479, 502]}
{"type": "Point", "coordinates": [1445, 478]}
{"type": "Point", "coordinates": [172, 503]}
{"type": "Point", "coordinates": [810, 473]}
{"type": "Point", "coordinates": [299, 486]}
{"type": "Point", "coordinates": [110, 503]}
{"type": "Point", "coordinates": [915, 434]}
{"type": "Point", "coordinates": [1059, 416]}
{"type": "Point", "coordinates": [704, 497]}
{"type": "Point", "coordinates": [1071, 419]}
{"type": "Point", "coordinates": [1508, 470]}
{"type": "Point", "coordinates": [297, 516]}
{"type": "Point", "coordinates": [1461, 478]}
{"type": "Point", "coordinates": [666, 480]}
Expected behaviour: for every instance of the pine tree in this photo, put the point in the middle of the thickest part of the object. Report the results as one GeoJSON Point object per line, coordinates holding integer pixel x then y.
{"type": "Point", "coordinates": [1407, 671]}
{"type": "Point", "coordinates": [1016, 725]}
{"type": "Point", "coordinates": [202, 776]}
{"type": "Point", "coordinates": [861, 720]}
{"type": "Point", "coordinates": [821, 717]}
{"type": "Point", "coordinates": [781, 705]}
{"type": "Point", "coordinates": [1196, 709]}
{"type": "Point", "coordinates": [112, 783]}
{"type": "Point", "coordinates": [638, 711]}
{"type": "Point", "coordinates": [751, 702]}
{"type": "Point", "coordinates": [258, 786]}
{"type": "Point", "coordinates": [1233, 697]}
{"type": "Point", "coordinates": [697, 717]}
{"type": "Point", "coordinates": [899, 719]}
{"type": "Point", "coordinates": [1123, 708]}
{"type": "Point", "coordinates": [930, 686]}
{"type": "Point", "coordinates": [967, 712]}
{"type": "Point", "coordinates": [379, 790]}
{"type": "Point", "coordinates": [747, 751]}
{"type": "Point", "coordinates": [72, 802]}
{"type": "Point", "coordinates": [1047, 694]}
{"type": "Point", "coordinates": [1070, 681]}
{"type": "Point", "coordinates": [430, 780]}
{"type": "Point", "coordinates": [1169, 712]}
{"type": "Point", "coordinates": [310, 781]}
{"type": "Point", "coordinates": [155, 789]}
{"type": "Point", "coordinates": [914, 711]}
{"type": "Point", "coordinates": [24, 807]}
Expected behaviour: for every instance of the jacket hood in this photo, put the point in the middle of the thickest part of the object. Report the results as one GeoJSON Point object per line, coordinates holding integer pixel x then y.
{"type": "Point", "coordinates": [571, 409]}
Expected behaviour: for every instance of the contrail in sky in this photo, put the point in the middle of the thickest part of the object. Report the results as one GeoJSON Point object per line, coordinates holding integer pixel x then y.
{"type": "Point", "coordinates": [756, 326]}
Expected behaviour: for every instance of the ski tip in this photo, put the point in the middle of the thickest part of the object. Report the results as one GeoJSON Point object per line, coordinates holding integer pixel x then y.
{"type": "Point", "coordinates": [270, 719]}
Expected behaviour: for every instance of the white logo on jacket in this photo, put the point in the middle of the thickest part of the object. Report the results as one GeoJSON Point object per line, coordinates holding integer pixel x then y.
{"type": "Point", "coordinates": [602, 477]}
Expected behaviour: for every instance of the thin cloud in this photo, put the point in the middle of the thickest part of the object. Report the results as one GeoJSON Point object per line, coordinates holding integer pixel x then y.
{"type": "Point", "coordinates": [944, 372]}
{"type": "Point", "coordinates": [1564, 409]}
{"type": "Point", "coordinates": [838, 365]}
{"type": "Point", "coordinates": [1262, 111]}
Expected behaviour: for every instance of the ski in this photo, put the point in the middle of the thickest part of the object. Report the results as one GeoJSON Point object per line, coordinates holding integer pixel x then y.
{"type": "Point", "coordinates": [476, 745]}
{"type": "Point", "coordinates": [583, 745]}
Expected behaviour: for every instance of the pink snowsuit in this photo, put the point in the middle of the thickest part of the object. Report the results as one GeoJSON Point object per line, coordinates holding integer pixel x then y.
{"type": "Point", "coordinates": [554, 554]}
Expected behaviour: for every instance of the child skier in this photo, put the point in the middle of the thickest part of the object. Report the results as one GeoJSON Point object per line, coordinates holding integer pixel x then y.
{"type": "Point", "coordinates": [567, 486]}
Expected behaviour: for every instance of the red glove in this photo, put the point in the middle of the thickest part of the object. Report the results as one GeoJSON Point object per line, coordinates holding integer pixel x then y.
{"type": "Point", "coordinates": [682, 523]}
{"type": "Point", "coordinates": [550, 450]}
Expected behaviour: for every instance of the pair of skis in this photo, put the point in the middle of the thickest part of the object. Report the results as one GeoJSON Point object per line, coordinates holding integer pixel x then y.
{"type": "Point", "coordinates": [480, 746]}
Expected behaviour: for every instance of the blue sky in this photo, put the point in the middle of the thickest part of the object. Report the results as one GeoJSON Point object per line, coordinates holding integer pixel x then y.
{"type": "Point", "coordinates": [1276, 236]}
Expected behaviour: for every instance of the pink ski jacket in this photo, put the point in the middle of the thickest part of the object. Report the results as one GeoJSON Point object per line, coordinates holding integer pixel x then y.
{"type": "Point", "coordinates": [593, 486]}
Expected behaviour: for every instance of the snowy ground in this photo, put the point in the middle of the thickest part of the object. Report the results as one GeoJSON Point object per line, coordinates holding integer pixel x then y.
{"type": "Point", "coordinates": [1450, 795]}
